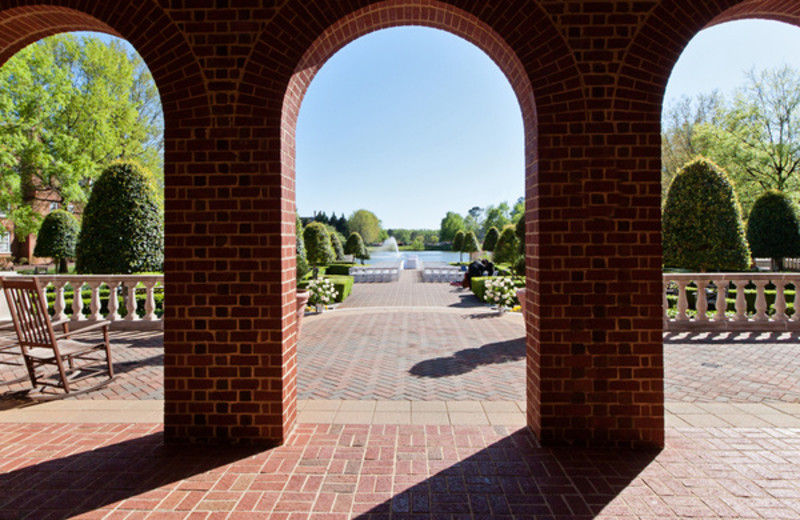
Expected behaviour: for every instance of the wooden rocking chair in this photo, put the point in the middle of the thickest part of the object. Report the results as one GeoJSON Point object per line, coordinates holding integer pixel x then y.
{"type": "Point", "coordinates": [41, 346]}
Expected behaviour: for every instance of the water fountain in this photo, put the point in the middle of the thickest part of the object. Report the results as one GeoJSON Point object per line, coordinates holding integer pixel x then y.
{"type": "Point", "coordinates": [390, 246]}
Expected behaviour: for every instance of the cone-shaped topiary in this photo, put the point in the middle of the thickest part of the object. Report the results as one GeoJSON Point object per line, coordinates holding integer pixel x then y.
{"type": "Point", "coordinates": [123, 225]}
{"type": "Point", "coordinates": [57, 238]}
{"type": "Point", "coordinates": [773, 229]}
{"type": "Point", "coordinates": [338, 251]}
{"type": "Point", "coordinates": [458, 243]}
{"type": "Point", "coordinates": [355, 246]}
{"type": "Point", "coordinates": [490, 240]}
{"type": "Point", "coordinates": [507, 249]}
{"type": "Point", "coordinates": [318, 244]}
{"type": "Point", "coordinates": [302, 261]}
{"type": "Point", "coordinates": [702, 223]}
{"type": "Point", "coordinates": [471, 243]}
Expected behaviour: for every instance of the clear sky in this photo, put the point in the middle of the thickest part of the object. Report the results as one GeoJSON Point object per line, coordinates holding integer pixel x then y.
{"type": "Point", "coordinates": [413, 122]}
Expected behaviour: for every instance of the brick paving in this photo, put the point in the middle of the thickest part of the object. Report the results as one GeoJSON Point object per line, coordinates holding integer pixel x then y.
{"type": "Point", "coordinates": [410, 291]}
{"type": "Point", "coordinates": [338, 472]}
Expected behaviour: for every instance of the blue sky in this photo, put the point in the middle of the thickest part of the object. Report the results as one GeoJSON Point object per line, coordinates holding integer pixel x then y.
{"type": "Point", "coordinates": [413, 122]}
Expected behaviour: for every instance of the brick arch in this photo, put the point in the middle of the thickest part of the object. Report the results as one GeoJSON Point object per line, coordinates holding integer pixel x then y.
{"type": "Point", "coordinates": [145, 25]}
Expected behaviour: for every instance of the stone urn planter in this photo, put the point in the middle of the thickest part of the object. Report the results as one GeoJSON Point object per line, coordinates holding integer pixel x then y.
{"type": "Point", "coordinates": [521, 298]}
{"type": "Point", "coordinates": [302, 300]}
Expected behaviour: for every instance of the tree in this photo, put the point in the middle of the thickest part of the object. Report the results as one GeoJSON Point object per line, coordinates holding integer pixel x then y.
{"type": "Point", "coordinates": [474, 220]}
{"type": "Point", "coordinates": [366, 224]}
{"type": "Point", "coordinates": [518, 211]}
{"type": "Point", "coordinates": [57, 238]}
{"type": "Point", "coordinates": [519, 231]}
{"type": "Point", "coordinates": [123, 223]}
{"type": "Point", "coordinates": [451, 224]}
{"type": "Point", "coordinates": [470, 244]}
{"type": "Point", "coordinates": [69, 107]}
{"type": "Point", "coordinates": [507, 249]}
{"type": "Point", "coordinates": [702, 226]}
{"type": "Point", "coordinates": [496, 216]}
{"type": "Point", "coordinates": [773, 229]}
{"type": "Point", "coordinates": [355, 246]}
{"type": "Point", "coordinates": [491, 239]}
{"type": "Point", "coordinates": [302, 260]}
{"type": "Point", "coordinates": [341, 226]}
{"type": "Point", "coordinates": [337, 246]}
{"type": "Point", "coordinates": [458, 243]}
{"type": "Point", "coordinates": [318, 244]}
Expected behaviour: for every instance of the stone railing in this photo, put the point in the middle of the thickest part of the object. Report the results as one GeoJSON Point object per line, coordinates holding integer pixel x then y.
{"type": "Point", "coordinates": [129, 284]}
{"type": "Point", "coordinates": [763, 315]}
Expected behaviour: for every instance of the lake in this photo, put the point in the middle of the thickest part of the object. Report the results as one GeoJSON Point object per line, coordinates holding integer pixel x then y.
{"type": "Point", "coordinates": [424, 256]}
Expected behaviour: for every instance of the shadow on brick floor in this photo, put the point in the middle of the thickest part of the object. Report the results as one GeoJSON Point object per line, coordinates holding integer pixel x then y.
{"type": "Point", "coordinates": [469, 359]}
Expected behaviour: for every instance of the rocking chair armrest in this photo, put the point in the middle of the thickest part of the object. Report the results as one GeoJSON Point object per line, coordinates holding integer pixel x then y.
{"type": "Point", "coordinates": [97, 325]}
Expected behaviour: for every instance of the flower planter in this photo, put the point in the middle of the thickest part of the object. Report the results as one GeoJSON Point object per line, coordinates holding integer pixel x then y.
{"type": "Point", "coordinates": [302, 299]}
{"type": "Point", "coordinates": [521, 298]}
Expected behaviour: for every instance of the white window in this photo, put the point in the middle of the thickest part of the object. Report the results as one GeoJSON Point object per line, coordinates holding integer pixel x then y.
{"type": "Point", "coordinates": [5, 242]}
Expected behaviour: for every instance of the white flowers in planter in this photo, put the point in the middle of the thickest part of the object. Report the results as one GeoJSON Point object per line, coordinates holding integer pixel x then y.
{"type": "Point", "coordinates": [501, 291]}
{"type": "Point", "coordinates": [322, 292]}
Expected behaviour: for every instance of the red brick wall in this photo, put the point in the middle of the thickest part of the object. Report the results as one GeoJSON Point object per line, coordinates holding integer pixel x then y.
{"type": "Point", "coordinates": [590, 77]}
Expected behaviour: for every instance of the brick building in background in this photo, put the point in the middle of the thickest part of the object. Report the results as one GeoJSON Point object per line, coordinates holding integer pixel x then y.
{"type": "Point", "coordinates": [589, 77]}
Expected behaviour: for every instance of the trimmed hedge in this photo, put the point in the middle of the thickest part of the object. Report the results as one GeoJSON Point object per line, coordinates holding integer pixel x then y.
{"type": "Point", "coordinates": [343, 285]}
{"type": "Point", "coordinates": [478, 287]}
{"type": "Point", "coordinates": [340, 269]}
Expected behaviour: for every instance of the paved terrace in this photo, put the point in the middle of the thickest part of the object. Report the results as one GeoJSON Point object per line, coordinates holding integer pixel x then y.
{"type": "Point", "coordinates": [411, 408]}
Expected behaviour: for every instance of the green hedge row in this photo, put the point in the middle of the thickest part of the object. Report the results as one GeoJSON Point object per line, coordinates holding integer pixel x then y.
{"type": "Point", "coordinates": [339, 269]}
{"type": "Point", "coordinates": [86, 296]}
{"type": "Point", "coordinates": [343, 285]}
{"type": "Point", "coordinates": [479, 289]}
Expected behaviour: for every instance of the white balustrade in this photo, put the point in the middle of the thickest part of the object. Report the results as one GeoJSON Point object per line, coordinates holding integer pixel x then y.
{"type": "Point", "coordinates": [763, 317]}
{"type": "Point", "coordinates": [129, 284]}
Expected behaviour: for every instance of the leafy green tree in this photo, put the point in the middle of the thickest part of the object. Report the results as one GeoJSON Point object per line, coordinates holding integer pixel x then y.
{"type": "Point", "coordinates": [366, 224]}
{"type": "Point", "coordinates": [496, 216]}
{"type": "Point", "coordinates": [474, 220]}
{"type": "Point", "coordinates": [507, 249]}
{"type": "Point", "coordinates": [418, 244]}
{"type": "Point", "coordinates": [123, 223]}
{"type": "Point", "coordinates": [458, 244]}
{"type": "Point", "coordinates": [318, 244]}
{"type": "Point", "coordinates": [773, 229]}
{"type": "Point", "coordinates": [302, 260]}
{"type": "Point", "coordinates": [470, 244]}
{"type": "Point", "coordinates": [491, 239]}
{"type": "Point", "coordinates": [57, 238]}
{"type": "Point", "coordinates": [451, 224]}
{"type": "Point", "coordinates": [518, 211]}
{"type": "Point", "coordinates": [341, 226]}
{"type": "Point", "coordinates": [338, 251]}
{"type": "Point", "coordinates": [355, 246]}
{"type": "Point", "coordinates": [702, 225]}
{"type": "Point", "coordinates": [519, 231]}
{"type": "Point", "coordinates": [69, 107]}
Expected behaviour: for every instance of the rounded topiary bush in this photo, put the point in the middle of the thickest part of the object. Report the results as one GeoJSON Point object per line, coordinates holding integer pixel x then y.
{"type": "Point", "coordinates": [57, 238]}
{"type": "Point", "coordinates": [123, 225]}
{"type": "Point", "coordinates": [338, 250]}
{"type": "Point", "coordinates": [318, 244]}
{"type": "Point", "coordinates": [773, 229]}
{"type": "Point", "coordinates": [702, 223]}
{"type": "Point", "coordinates": [355, 246]}
{"type": "Point", "coordinates": [507, 249]}
{"type": "Point", "coordinates": [490, 240]}
{"type": "Point", "coordinates": [471, 244]}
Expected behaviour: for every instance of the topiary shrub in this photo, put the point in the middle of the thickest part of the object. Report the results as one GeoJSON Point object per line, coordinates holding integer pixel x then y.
{"type": "Point", "coordinates": [471, 244]}
{"type": "Point", "coordinates": [507, 249]}
{"type": "Point", "coordinates": [57, 238]}
{"type": "Point", "coordinates": [355, 246]}
{"type": "Point", "coordinates": [301, 259]}
{"type": "Point", "coordinates": [490, 240]}
{"type": "Point", "coordinates": [458, 243]}
{"type": "Point", "coordinates": [338, 251]}
{"type": "Point", "coordinates": [702, 224]}
{"type": "Point", "coordinates": [123, 225]}
{"type": "Point", "coordinates": [773, 229]}
{"type": "Point", "coordinates": [318, 244]}
{"type": "Point", "coordinates": [519, 231]}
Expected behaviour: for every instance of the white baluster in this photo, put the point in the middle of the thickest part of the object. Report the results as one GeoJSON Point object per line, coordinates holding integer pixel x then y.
{"type": "Point", "coordinates": [94, 301]}
{"type": "Point", "coordinates": [666, 304]}
{"type": "Point", "coordinates": [113, 301]}
{"type": "Point", "coordinates": [741, 302]}
{"type": "Point", "coordinates": [796, 315]}
{"type": "Point", "coordinates": [59, 305]}
{"type": "Point", "coordinates": [780, 302]}
{"type": "Point", "coordinates": [722, 304]}
{"type": "Point", "coordinates": [701, 304]}
{"type": "Point", "coordinates": [150, 301]}
{"type": "Point", "coordinates": [683, 303]}
{"type": "Point", "coordinates": [77, 300]}
{"type": "Point", "coordinates": [761, 301]}
{"type": "Point", "coordinates": [130, 305]}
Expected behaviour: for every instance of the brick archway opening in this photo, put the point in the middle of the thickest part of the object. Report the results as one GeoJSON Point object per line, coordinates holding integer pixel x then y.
{"type": "Point", "coordinates": [389, 14]}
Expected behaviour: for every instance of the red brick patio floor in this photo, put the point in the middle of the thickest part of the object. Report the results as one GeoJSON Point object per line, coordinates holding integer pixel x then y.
{"type": "Point", "coordinates": [334, 471]}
